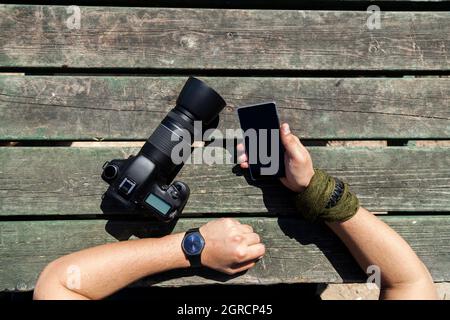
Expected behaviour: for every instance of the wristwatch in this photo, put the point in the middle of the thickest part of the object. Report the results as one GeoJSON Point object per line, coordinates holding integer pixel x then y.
{"type": "Point", "coordinates": [192, 245]}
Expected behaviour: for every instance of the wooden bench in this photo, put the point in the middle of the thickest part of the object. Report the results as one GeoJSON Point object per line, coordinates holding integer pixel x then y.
{"type": "Point", "coordinates": [372, 106]}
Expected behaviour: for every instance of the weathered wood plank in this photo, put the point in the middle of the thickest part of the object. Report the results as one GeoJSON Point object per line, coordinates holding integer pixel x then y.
{"type": "Point", "coordinates": [66, 181]}
{"type": "Point", "coordinates": [112, 37]}
{"type": "Point", "coordinates": [131, 107]}
{"type": "Point", "coordinates": [296, 251]}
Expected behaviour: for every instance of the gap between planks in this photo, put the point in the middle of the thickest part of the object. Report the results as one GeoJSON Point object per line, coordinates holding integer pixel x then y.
{"type": "Point", "coordinates": [199, 144]}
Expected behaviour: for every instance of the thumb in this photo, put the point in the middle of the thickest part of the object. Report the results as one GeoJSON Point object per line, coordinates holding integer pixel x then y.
{"type": "Point", "coordinates": [290, 142]}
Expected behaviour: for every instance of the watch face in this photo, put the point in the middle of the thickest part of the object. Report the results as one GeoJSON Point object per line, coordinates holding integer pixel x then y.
{"type": "Point", "coordinates": [193, 243]}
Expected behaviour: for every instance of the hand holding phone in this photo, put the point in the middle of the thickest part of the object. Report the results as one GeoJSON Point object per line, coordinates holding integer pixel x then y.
{"type": "Point", "coordinates": [298, 163]}
{"type": "Point", "coordinates": [263, 147]}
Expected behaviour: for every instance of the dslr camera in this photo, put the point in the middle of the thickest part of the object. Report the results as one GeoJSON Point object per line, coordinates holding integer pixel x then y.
{"type": "Point", "coordinates": [143, 182]}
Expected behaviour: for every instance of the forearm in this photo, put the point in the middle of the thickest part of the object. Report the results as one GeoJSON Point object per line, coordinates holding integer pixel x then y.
{"type": "Point", "coordinates": [105, 269]}
{"type": "Point", "coordinates": [372, 242]}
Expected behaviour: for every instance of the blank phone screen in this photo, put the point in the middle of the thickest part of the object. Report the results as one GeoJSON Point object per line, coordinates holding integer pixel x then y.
{"type": "Point", "coordinates": [263, 147]}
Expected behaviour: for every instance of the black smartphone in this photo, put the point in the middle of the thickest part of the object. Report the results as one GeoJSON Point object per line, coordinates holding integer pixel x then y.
{"type": "Point", "coordinates": [261, 128]}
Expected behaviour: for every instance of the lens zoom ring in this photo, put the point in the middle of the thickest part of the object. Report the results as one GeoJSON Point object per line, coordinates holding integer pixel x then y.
{"type": "Point", "coordinates": [162, 140]}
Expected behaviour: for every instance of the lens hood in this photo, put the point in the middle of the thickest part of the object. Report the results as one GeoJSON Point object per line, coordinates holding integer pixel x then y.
{"type": "Point", "coordinates": [200, 100]}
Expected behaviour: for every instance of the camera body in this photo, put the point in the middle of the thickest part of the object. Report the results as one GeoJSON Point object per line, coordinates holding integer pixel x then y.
{"type": "Point", "coordinates": [136, 187]}
{"type": "Point", "coordinates": [143, 183]}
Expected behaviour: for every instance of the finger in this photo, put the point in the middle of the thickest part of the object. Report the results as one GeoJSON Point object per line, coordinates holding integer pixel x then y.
{"type": "Point", "coordinates": [243, 266]}
{"type": "Point", "coordinates": [255, 251]}
{"type": "Point", "coordinates": [244, 165]}
{"type": "Point", "coordinates": [240, 147]}
{"type": "Point", "coordinates": [241, 155]}
{"type": "Point", "coordinates": [252, 238]}
{"type": "Point", "coordinates": [290, 142]}
{"type": "Point", "coordinates": [242, 158]}
{"type": "Point", "coordinates": [246, 228]}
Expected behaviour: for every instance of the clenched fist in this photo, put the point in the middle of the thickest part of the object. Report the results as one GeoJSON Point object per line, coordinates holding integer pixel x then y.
{"type": "Point", "coordinates": [230, 246]}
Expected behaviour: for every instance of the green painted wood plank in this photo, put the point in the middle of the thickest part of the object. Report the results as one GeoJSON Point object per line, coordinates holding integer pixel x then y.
{"type": "Point", "coordinates": [236, 3]}
{"type": "Point", "coordinates": [71, 108]}
{"type": "Point", "coordinates": [66, 181]}
{"type": "Point", "coordinates": [296, 251]}
{"type": "Point", "coordinates": [163, 38]}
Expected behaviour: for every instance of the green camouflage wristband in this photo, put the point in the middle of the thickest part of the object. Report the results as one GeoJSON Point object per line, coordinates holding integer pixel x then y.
{"type": "Point", "coordinates": [326, 199]}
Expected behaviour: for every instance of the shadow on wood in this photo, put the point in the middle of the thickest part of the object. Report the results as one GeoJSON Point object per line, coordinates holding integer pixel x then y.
{"type": "Point", "coordinates": [276, 197]}
{"type": "Point", "coordinates": [329, 244]}
{"type": "Point", "coordinates": [140, 228]}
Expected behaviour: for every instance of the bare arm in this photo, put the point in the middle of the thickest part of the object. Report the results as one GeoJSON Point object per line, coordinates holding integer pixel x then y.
{"type": "Point", "coordinates": [370, 241]}
{"type": "Point", "coordinates": [98, 272]}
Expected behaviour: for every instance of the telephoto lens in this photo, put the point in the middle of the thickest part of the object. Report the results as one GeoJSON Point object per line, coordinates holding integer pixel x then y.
{"type": "Point", "coordinates": [141, 183]}
{"type": "Point", "coordinates": [196, 102]}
